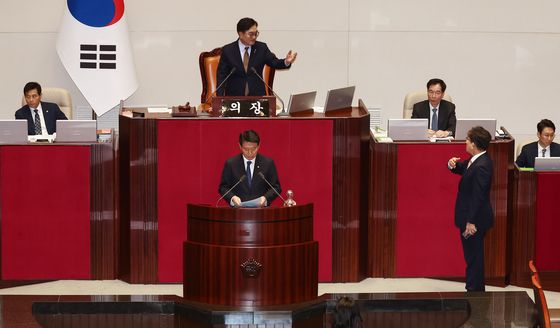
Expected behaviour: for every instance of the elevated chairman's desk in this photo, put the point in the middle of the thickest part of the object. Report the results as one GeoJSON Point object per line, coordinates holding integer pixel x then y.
{"type": "Point", "coordinates": [411, 220]}
{"type": "Point", "coordinates": [57, 212]}
{"type": "Point", "coordinates": [167, 163]}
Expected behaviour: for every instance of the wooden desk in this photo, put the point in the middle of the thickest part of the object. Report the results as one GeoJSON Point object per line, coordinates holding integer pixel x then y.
{"type": "Point", "coordinates": [167, 163]}
{"type": "Point", "coordinates": [534, 228]}
{"type": "Point", "coordinates": [57, 212]}
{"type": "Point", "coordinates": [411, 218]}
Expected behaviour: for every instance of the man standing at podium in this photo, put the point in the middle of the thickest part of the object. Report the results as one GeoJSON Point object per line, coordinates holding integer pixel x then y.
{"type": "Point", "coordinates": [439, 112]}
{"type": "Point", "coordinates": [245, 176]}
{"type": "Point", "coordinates": [473, 211]}
{"type": "Point", "coordinates": [241, 57]}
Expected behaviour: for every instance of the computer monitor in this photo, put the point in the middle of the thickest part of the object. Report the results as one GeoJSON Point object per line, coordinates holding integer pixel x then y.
{"type": "Point", "coordinates": [465, 124]}
{"type": "Point", "coordinates": [339, 98]}
{"type": "Point", "coordinates": [407, 129]}
{"type": "Point", "coordinates": [547, 163]}
{"type": "Point", "coordinates": [302, 102]}
{"type": "Point", "coordinates": [13, 131]}
{"type": "Point", "coordinates": [76, 131]}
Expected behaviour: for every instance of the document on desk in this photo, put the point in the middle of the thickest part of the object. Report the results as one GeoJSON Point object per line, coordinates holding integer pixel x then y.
{"type": "Point", "coordinates": [251, 203]}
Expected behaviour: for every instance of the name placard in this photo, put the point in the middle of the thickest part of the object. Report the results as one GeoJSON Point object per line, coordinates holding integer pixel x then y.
{"type": "Point", "coordinates": [245, 107]}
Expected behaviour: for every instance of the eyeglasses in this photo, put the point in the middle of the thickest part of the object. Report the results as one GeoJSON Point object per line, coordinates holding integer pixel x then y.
{"type": "Point", "coordinates": [253, 34]}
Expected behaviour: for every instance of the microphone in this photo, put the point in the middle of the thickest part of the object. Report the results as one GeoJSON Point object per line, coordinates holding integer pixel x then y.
{"type": "Point", "coordinates": [283, 112]}
{"type": "Point", "coordinates": [243, 177]}
{"type": "Point", "coordinates": [221, 84]}
{"type": "Point", "coordinates": [268, 183]}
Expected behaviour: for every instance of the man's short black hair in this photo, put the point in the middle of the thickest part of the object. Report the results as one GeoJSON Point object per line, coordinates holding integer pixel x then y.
{"type": "Point", "coordinates": [436, 81]}
{"type": "Point", "coordinates": [32, 86]}
{"type": "Point", "coordinates": [480, 137]}
{"type": "Point", "coordinates": [245, 24]}
{"type": "Point", "coordinates": [249, 136]}
{"type": "Point", "coordinates": [545, 123]}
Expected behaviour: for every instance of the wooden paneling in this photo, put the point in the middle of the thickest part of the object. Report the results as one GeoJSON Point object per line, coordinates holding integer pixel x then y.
{"type": "Point", "coordinates": [382, 222]}
{"type": "Point", "coordinates": [350, 190]}
{"type": "Point", "coordinates": [138, 182]}
{"type": "Point", "coordinates": [103, 203]}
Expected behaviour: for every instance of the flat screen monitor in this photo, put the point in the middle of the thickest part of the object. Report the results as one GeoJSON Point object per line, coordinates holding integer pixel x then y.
{"type": "Point", "coordinates": [407, 129]}
{"type": "Point", "coordinates": [339, 98]}
{"type": "Point", "coordinates": [13, 131]}
{"type": "Point", "coordinates": [465, 124]}
{"type": "Point", "coordinates": [547, 163]}
{"type": "Point", "coordinates": [302, 102]}
{"type": "Point", "coordinates": [76, 131]}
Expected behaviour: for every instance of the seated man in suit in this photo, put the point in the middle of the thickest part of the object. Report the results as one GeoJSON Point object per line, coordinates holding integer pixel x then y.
{"type": "Point", "coordinates": [542, 148]}
{"type": "Point", "coordinates": [41, 116]}
{"type": "Point", "coordinates": [248, 167]}
{"type": "Point", "coordinates": [439, 112]}
{"type": "Point", "coordinates": [246, 54]}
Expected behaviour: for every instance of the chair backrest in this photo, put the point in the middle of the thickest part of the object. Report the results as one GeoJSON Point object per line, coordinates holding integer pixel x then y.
{"type": "Point", "coordinates": [520, 143]}
{"type": "Point", "coordinates": [208, 63]}
{"type": "Point", "coordinates": [543, 317]}
{"type": "Point", "coordinates": [59, 96]}
{"type": "Point", "coordinates": [415, 97]}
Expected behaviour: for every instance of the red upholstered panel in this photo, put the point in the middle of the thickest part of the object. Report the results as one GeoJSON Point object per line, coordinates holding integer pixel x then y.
{"type": "Point", "coordinates": [191, 155]}
{"type": "Point", "coordinates": [547, 223]}
{"type": "Point", "coordinates": [45, 199]}
{"type": "Point", "coordinates": [428, 243]}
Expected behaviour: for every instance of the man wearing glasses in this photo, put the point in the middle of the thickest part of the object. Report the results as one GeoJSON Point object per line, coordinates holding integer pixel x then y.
{"type": "Point", "coordinates": [439, 112]}
{"type": "Point", "coordinates": [244, 55]}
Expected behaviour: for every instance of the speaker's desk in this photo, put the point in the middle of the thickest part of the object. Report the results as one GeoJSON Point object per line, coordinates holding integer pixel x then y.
{"type": "Point", "coordinates": [167, 163]}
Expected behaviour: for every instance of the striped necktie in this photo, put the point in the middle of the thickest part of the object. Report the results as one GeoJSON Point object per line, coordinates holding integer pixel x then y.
{"type": "Point", "coordinates": [37, 123]}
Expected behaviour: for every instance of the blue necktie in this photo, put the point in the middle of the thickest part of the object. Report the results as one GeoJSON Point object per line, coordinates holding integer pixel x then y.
{"type": "Point", "coordinates": [434, 120]}
{"type": "Point", "coordinates": [249, 173]}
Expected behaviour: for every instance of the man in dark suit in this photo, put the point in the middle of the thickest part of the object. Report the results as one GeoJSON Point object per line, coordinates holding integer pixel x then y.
{"type": "Point", "coordinates": [41, 116]}
{"type": "Point", "coordinates": [473, 211]}
{"type": "Point", "coordinates": [249, 164]}
{"type": "Point", "coordinates": [545, 147]}
{"type": "Point", "coordinates": [436, 107]}
{"type": "Point", "coordinates": [243, 54]}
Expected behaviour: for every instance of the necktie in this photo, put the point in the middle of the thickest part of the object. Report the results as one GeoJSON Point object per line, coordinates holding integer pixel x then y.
{"type": "Point", "coordinates": [37, 122]}
{"type": "Point", "coordinates": [246, 66]}
{"type": "Point", "coordinates": [434, 120]}
{"type": "Point", "coordinates": [543, 152]}
{"type": "Point", "coordinates": [249, 173]}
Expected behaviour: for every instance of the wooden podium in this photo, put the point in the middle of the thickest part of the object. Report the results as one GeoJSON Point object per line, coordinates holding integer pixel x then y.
{"type": "Point", "coordinates": [250, 257]}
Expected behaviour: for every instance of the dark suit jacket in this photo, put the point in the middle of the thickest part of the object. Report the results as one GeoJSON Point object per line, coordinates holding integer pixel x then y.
{"type": "Point", "coordinates": [473, 197]}
{"type": "Point", "coordinates": [51, 112]}
{"type": "Point", "coordinates": [231, 57]}
{"type": "Point", "coordinates": [446, 114]}
{"type": "Point", "coordinates": [234, 169]}
{"type": "Point", "coordinates": [528, 153]}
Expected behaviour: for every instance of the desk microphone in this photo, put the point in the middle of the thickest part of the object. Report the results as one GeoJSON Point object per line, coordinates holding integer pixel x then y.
{"type": "Point", "coordinates": [243, 177]}
{"type": "Point", "coordinates": [283, 112]}
{"type": "Point", "coordinates": [268, 183]}
{"type": "Point", "coordinates": [221, 85]}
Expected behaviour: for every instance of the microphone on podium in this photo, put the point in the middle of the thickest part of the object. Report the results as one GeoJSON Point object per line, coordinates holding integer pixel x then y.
{"type": "Point", "coordinates": [243, 177]}
{"type": "Point", "coordinates": [260, 174]}
{"type": "Point", "coordinates": [283, 112]}
{"type": "Point", "coordinates": [221, 84]}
